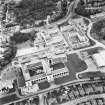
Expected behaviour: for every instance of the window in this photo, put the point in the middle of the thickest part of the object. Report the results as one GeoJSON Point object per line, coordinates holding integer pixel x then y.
{"type": "Point", "coordinates": [50, 61]}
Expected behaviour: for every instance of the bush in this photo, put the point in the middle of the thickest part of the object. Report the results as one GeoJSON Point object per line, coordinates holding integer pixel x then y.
{"type": "Point", "coordinates": [98, 29]}
{"type": "Point", "coordinates": [43, 85]}
{"type": "Point", "coordinates": [22, 37]}
{"type": "Point", "coordinates": [81, 10]}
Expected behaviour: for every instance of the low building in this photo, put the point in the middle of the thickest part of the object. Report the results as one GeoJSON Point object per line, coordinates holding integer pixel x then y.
{"type": "Point", "coordinates": [74, 38]}
{"type": "Point", "coordinates": [58, 58]}
{"type": "Point", "coordinates": [37, 71]}
{"type": "Point", "coordinates": [78, 41]}
{"type": "Point", "coordinates": [53, 37]}
{"type": "Point", "coordinates": [99, 59]}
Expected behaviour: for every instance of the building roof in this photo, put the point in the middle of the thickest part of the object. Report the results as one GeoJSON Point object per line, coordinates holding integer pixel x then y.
{"type": "Point", "coordinates": [67, 28]}
{"type": "Point", "coordinates": [23, 52]}
{"type": "Point", "coordinates": [99, 59]}
{"type": "Point", "coordinates": [7, 83]}
{"type": "Point", "coordinates": [28, 51]}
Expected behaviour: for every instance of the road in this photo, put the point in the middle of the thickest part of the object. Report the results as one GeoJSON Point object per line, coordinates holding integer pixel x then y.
{"type": "Point", "coordinates": [97, 44]}
{"type": "Point", "coordinates": [69, 14]}
{"type": "Point", "coordinates": [49, 89]}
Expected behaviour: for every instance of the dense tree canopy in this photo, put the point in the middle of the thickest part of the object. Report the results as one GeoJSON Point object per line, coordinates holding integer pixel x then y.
{"type": "Point", "coordinates": [98, 29]}
{"type": "Point", "coordinates": [30, 12]}
{"type": "Point", "coordinates": [22, 37]}
{"type": "Point", "coordinates": [9, 52]}
{"type": "Point", "coordinates": [81, 9]}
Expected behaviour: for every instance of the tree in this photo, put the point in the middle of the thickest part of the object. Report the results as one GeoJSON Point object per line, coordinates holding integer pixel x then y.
{"type": "Point", "coordinates": [81, 9]}
{"type": "Point", "coordinates": [23, 37]}
{"type": "Point", "coordinates": [9, 52]}
{"type": "Point", "coordinates": [98, 29]}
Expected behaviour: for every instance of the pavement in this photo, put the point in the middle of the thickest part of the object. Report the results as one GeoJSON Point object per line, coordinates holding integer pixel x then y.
{"type": "Point", "coordinates": [14, 97]}
{"type": "Point", "coordinates": [69, 14]}
{"type": "Point", "coordinates": [17, 99]}
{"type": "Point", "coordinates": [41, 99]}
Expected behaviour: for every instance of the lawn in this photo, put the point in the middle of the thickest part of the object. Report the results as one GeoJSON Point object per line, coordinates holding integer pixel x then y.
{"type": "Point", "coordinates": [43, 85]}
{"type": "Point", "coordinates": [74, 65]}
{"type": "Point", "coordinates": [20, 80]}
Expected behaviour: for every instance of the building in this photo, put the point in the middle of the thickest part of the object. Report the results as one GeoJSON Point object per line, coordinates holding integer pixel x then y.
{"type": "Point", "coordinates": [49, 40]}
{"type": "Point", "coordinates": [6, 87]}
{"type": "Point", "coordinates": [98, 16]}
{"type": "Point", "coordinates": [74, 38]}
{"type": "Point", "coordinates": [78, 41]}
{"type": "Point", "coordinates": [99, 59]}
{"type": "Point", "coordinates": [53, 37]}
{"type": "Point", "coordinates": [36, 71]}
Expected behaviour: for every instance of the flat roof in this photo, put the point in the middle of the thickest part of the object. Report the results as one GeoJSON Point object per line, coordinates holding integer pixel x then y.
{"type": "Point", "coordinates": [27, 51]}
{"type": "Point", "coordinates": [99, 59]}
{"type": "Point", "coordinates": [35, 63]}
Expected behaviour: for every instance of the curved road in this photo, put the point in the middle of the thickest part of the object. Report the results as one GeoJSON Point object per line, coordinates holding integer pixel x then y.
{"type": "Point", "coordinates": [49, 89]}
{"type": "Point", "coordinates": [69, 14]}
{"type": "Point", "coordinates": [71, 9]}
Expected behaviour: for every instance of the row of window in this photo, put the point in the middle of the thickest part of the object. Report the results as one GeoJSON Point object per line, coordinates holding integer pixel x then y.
{"type": "Point", "coordinates": [45, 78]}
{"type": "Point", "coordinates": [60, 74]}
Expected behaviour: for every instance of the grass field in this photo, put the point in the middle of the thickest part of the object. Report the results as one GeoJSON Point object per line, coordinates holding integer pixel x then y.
{"type": "Point", "coordinates": [74, 65]}
{"type": "Point", "coordinates": [44, 85]}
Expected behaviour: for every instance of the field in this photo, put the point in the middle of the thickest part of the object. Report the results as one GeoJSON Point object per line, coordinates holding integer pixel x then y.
{"type": "Point", "coordinates": [74, 65]}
